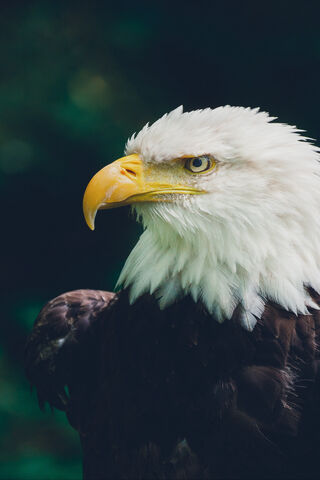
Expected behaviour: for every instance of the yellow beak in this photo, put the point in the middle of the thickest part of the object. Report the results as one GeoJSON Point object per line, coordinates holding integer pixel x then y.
{"type": "Point", "coordinates": [122, 183]}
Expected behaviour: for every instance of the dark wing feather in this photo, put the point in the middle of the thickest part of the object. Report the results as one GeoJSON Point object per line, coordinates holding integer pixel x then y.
{"type": "Point", "coordinates": [56, 347]}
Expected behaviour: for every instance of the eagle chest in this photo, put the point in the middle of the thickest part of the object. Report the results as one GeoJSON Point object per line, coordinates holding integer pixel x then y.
{"type": "Point", "coordinates": [163, 378]}
{"type": "Point", "coordinates": [169, 374]}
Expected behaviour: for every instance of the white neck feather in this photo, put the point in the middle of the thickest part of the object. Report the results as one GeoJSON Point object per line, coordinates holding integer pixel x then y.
{"type": "Point", "coordinates": [221, 263]}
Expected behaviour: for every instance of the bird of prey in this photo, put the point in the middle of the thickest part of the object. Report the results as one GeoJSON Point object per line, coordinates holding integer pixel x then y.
{"type": "Point", "coordinates": [205, 363]}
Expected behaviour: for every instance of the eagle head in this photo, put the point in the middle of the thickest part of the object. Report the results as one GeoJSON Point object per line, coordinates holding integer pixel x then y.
{"type": "Point", "coordinates": [230, 204]}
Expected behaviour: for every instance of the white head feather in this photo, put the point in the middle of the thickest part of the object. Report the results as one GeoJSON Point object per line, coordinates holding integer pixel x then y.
{"type": "Point", "coordinates": [255, 235]}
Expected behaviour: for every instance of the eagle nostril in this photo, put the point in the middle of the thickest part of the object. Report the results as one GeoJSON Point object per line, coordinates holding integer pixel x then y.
{"type": "Point", "coordinates": [128, 172]}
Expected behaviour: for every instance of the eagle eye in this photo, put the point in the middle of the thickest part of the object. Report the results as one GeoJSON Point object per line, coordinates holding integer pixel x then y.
{"type": "Point", "coordinates": [199, 164]}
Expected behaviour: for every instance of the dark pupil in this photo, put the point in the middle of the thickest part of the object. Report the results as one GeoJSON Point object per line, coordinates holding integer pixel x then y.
{"type": "Point", "coordinates": [197, 162]}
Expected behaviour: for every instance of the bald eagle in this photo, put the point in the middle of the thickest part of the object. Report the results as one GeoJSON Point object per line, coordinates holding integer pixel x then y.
{"type": "Point", "coordinates": [205, 363]}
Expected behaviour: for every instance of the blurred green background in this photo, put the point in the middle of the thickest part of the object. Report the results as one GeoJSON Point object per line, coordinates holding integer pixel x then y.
{"type": "Point", "coordinates": [76, 80]}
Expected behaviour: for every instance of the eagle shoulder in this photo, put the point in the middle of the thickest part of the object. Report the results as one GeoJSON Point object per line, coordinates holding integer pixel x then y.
{"type": "Point", "coordinates": [56, 347]}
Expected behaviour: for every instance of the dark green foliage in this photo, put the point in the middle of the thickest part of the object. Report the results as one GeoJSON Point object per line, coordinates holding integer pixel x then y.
{"type": "Point", "coordinates": [76, 81]}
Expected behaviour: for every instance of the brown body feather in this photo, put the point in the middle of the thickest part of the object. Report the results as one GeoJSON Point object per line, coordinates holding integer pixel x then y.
{"type": "Point", "coordinates": [174, 394]}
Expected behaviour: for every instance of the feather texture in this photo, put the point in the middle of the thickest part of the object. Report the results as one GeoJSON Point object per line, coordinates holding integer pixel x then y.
{"type": "Point", "coordinates": [254, 235]}
{"type": "Point", "coordinates": [172, 394]}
